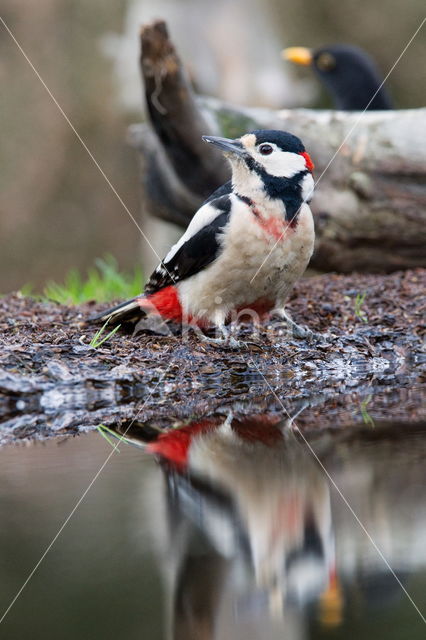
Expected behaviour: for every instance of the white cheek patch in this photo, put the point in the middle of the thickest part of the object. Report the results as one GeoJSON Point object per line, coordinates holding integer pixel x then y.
{"type": "Point", "coordinates": [282, 164]}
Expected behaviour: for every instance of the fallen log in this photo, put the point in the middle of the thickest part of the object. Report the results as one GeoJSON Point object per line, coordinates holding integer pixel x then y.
{"type": "Point", "coordinates": [370, 198]}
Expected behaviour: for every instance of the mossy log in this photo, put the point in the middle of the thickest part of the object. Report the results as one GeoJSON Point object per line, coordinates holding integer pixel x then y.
{"type": "Point", "coordinates": [370, 198]}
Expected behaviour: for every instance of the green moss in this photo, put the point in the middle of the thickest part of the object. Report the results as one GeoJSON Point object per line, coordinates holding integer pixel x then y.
{"type": "Point", "coordinates": [234, 124]}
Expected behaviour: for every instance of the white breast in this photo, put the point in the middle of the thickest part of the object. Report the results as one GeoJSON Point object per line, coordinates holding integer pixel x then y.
{"type": "Point", "coordinates": [253, 265]}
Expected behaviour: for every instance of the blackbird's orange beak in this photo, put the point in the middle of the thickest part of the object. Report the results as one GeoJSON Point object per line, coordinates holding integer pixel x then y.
{"type": "Point", "coordinates": [299, 55]}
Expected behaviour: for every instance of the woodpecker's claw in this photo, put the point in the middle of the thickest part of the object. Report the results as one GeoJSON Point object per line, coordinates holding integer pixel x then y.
{"type": "Point", "coordinates": [299, 331]}
{"type": "Point", "coordinates": [228, 342]}
{"type": "Point", "coordinates": [229, 419]}
{"type": "Point", "coordinates": [302, 332]}
{"type": "Point", "coordinates": [311, 337]}
{"type": "Point", "coordinates": [233, 343]}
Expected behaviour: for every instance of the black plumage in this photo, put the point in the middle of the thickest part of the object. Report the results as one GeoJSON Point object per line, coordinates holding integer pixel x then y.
{"type": "Point", "coordinates": [349, 74]}
{"type": "Point", "coordinates": [196, 253]}
{"type": "Point", "coordinates": [352, 78]}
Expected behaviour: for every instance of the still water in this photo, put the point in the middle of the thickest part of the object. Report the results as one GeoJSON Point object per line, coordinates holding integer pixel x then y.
{"type": "Point", "coordinates": [229, 529]}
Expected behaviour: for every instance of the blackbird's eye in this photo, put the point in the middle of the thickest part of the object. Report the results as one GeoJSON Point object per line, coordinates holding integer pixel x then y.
{"type": "Point", "coordinates": [326, 62]}
{"type": "Point", "coordinates": [265, 149]}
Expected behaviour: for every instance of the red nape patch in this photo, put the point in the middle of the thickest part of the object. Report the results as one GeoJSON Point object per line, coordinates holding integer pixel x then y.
{"type": "Point", "coordinates": [174, 446]}
{"type": "Point", "coordinates": [309, 164]}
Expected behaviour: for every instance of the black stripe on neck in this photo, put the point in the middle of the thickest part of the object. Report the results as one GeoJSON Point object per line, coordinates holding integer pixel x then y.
{"type": "Point", "coordinates": [245, 199]}
{"type": "Point", "coordinates": [290, 194]}
{"type": "Point", "coordinates": [288, 190]}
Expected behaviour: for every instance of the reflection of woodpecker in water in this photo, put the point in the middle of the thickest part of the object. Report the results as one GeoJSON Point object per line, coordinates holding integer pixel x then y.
{"type": "Point", "coordinates": [245, 534]}
{"type": "Point", "coordinates": [249, 516]}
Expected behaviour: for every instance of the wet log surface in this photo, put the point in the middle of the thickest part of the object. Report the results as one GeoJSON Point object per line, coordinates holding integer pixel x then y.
{"type": "Point", "coordinates": [52, 382]}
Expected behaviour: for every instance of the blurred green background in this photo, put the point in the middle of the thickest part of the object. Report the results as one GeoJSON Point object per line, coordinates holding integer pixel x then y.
{"type": "Point", "coordinates": [56, 210]}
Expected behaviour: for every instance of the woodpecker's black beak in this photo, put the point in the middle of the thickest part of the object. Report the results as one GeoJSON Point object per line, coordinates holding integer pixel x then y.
{"type": "Point", "coordinates": [226, 145]}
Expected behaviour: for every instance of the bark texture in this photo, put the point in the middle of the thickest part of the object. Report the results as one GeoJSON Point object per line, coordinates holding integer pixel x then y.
{"type": "Point", "coordinates": [370, 198]}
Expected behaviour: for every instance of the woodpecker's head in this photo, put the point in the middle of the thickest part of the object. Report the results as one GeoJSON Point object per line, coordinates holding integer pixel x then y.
{"type": "Point", "coordinates": [270, 163]}
{"type": "Point", "coordinates": [348, 73]}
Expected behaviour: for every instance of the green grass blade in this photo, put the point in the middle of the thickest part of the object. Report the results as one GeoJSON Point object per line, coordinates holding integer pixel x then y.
{"type": "Point", "coordinates": [101, 429]}
{"type": "Point", "coordinates": [111, 333]}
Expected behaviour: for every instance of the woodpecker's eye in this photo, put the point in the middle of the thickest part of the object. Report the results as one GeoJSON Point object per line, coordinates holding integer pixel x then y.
{"type": "Point", "coordinates": [265, 149]}
{"type": "Point", "coordinates": [326, 62]}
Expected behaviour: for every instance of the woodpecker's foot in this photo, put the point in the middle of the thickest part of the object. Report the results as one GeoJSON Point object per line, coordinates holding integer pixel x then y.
{"type": "Point", "coordinates": [289, 425]}
{"type": "Point", "coordinates": [312, 337]}
{"type": "Point", "coordinates": [227, 342]}
{"type": "Point", "coordinates": [233, 343]}
{"type": "Point", "coordinates": [229, 418]}
{"type": "Point", "coordinates": [302, 332]}
{"type": "Point", "coordinates": [298, 330]}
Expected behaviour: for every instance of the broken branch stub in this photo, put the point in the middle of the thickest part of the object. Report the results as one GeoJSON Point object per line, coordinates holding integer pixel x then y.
{"type": "Point", "coordinates": [178, 124]}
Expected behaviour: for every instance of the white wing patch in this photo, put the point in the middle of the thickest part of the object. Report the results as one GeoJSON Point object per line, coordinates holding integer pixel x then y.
{"type": "Point", "coordinates": [203, 217]}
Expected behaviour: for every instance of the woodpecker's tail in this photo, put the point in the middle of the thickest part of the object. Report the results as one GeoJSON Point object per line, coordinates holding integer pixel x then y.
{"type": "Point", "coordinates": [163, 304]}
{"type": "Point", "coordinates": [129, 312]}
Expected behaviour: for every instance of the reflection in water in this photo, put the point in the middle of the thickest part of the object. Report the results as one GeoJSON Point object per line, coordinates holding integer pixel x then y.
{"type": "Point", "coordinates": [250, 549]}
{"type": "Point", "coordinates": [235, 534]}
{"type": "Point", "coordinates": [263, 506]}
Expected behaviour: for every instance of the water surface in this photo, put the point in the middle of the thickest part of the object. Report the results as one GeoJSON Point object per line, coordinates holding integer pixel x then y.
{"type": "Point", "coordinates": [232, 530]}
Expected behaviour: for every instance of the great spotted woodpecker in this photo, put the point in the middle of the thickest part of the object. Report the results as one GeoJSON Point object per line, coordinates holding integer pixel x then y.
{"type": "Point", "coordinates": [348, 73]}
{"type": "Point", "coordinates": [245, 247]}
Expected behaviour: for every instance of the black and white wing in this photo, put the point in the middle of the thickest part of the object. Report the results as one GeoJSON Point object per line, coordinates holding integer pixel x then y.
{"type": "Point", "coordinates": [223, 190]}
{"type": "Point", "coordinates": [197, 248]}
